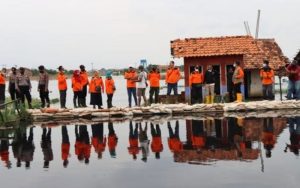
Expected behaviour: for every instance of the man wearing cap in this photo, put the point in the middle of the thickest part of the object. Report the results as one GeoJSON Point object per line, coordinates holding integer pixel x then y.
{"type": "Point", "coordinates": [196, 80]}
{"type": "Point", "coordinates": [267, 79]}
{"type": "Point", "coordinates": [43, 87]}
{"type": "Point", "coordinates": [62, 86]}
{"type": "Point", "coordinates": [12, 84]}
{"type": "Point", "coordinates": [85, 81]}
{"type": "Point", "coordinates": [23, 86]}
{"type": "Point", "coordinates": [131, 76]}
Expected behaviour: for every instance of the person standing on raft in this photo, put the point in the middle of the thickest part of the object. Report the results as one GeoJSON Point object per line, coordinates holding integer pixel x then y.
{"type": "Point", "coordinates": [130, 76]}
{"type": "Point", "coordinates": [267, 79]}
{"type": "Point", "coordinates": [43, 87]}
{"type": "Point", "coordinates": [85, 82]}
{"type": "Point", "coordinates": [172, 78]}
{"type": "Point", "coordinates": [62, 86]}
{"type": "Point", "coordinates": [238, 79]}
{"type": "Point", "coordinates": [96, 88]}
{"type": "Point", "coordinates": [110, 88]}
{"type": "Point", "coordinates": [77, 88]}
{"type": "Point", "coordinates": [209, 80]}
{"type": "Point", "coordinates": [23, 87]}
{"type": "Point", "coordinates": [12, 84]}
{"type": "Point", "coordinates": [293, 71]}
{"type": "Point", "coordinates": [154, 78]}
{"type": "Point", "coordinates": [2, 88]}
{"type": "Point", "coordinates": [141, 86]}
{"type": "Point", "coordinates": [196, 80]}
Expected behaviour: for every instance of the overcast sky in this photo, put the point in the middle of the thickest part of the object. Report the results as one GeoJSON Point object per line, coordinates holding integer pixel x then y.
{"type": "Point", "coordinates": [117, 33]}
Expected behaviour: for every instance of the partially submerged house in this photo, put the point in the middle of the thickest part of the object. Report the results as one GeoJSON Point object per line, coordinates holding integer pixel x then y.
{"type": "Point", "coordinates": [222, 52]}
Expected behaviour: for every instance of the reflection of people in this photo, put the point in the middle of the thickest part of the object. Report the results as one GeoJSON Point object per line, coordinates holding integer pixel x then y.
{"type": "Point", "coordinates": [174, 142]}
{"type": "Point", "coordinates": [27, 149]}
{"type": "Point", "coordinates": [144, 142]}
{"type": "Point", "coordinates": [294, 128]}
{"type": "Point", "coordinates": [4, 153]}
{"type": "Point", "coordinates": [65, 146]}
{"type": "Point", "coordinates": [98, 140]}
{"type": "Point", "coordinates": [133, 148]}
{"type": "Point", "coordinates": [198, 138]}
{"type": "Point", "coordinates": [268, 137]}
{"type": "Point", "coordinates": [156, 144]}
{"type": "Point", "coordinates": [112, 140]}
{"type": "Point", "coordinates": [47, 147]}
{"type": "Point", "coordinates": [82, 144]}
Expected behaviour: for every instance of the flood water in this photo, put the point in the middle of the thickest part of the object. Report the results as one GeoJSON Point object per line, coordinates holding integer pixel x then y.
{"type": "Point", "coordinates": [224, 152]}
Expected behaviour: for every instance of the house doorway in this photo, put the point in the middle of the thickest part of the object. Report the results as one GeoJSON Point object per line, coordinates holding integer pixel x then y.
{"type": "Point", "coordinates": [229, 83]}
{"type": "Point", "coordinates": [217, 70]}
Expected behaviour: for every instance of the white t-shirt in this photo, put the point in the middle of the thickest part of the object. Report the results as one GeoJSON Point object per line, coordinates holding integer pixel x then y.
{"type": "Point", "coordinates": [143, 77]}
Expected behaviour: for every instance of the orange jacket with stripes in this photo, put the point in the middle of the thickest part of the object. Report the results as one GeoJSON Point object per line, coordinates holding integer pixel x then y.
{"type": "Point", "coordinates": [154, 78]}
{"type": "Point", "coordinates": [130, 76]}
{"type": "Point", "coordinates": [62, 81]}
{"type": "Point", "coordinates": [2, 79]}
{"type": "Point", "coordinates": [173, 75]}
{"type": "Point", "coordinates": [175, 144]}
{"type": "Point", "coordinates": [96, 82]}
{"type": "Point", "coordinates": [109, 86]}
{"type": "Point", "coordinates": [267, 77]}
{"type": "Point", "coordinates": [156, 144]}
{"type": "Point", "coordinates": [196, 78]}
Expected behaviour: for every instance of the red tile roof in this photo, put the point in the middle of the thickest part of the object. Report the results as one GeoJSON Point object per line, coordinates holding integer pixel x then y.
{"type": "Point", "coordinates": [253, 51]}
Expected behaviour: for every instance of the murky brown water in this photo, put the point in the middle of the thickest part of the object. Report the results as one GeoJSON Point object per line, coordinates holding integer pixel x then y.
{"type": "Point", "coordinates": [186, 153]}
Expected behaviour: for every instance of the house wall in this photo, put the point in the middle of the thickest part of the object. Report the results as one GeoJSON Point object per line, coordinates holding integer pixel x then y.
{"type": "Point", "coordinates": [256, 84]}
{"type": "Point", "coordinates": [204, 62]}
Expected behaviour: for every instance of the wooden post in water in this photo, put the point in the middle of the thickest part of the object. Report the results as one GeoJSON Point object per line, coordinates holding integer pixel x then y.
{"type": "Point", "coordinates": [280, 88]}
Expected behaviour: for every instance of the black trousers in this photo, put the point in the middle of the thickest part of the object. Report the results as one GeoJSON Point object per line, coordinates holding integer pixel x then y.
{"type": "Point", "coordinates": [77, 97]}
{"type": "Point", "coordinates": [2, 94]}
{"type": "Point", "coordinates": [154, 91]}
{"type": "Point", "coordinates": [196, 93]}
{"type": "Point", "coordinates": [109, 100]}
{"type": "Point", "coordinates": [84, 91]}
{"type": "Point", "coordinates": [237, 88]}
{"type": "Point", "coordinates": [44, 95]}
{"type": "Point", "coordinates": [24, 92]}
{"type": "Point", "coordinates": [13, 92]}
{"type": "Point", "coordinates": [62, 97]}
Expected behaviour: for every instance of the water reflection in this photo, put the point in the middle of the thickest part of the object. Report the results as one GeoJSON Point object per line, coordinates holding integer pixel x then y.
{"type": "Point", "coordinates": [192, 141]}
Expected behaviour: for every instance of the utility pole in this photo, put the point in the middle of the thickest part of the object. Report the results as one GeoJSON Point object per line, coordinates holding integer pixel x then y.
{"type": "Point", "coordinates": [257, 24]}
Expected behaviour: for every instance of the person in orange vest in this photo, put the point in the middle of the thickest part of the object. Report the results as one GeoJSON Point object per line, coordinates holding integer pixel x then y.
{"type": "Point", "coordinates": [156, 144]}
{"type": "Point", "coordinates": [77, 88]}
{"type": "Point", "coordinates": [172, 78]}
{"type": "Point", "coordinates": [85, 82]}
{"type": "Point", "coordinates": [65, 146]}
{"type": "Point", "coordinates": [238, 79]}
{"type": "Point", "coordinates": [82, 144]}
{"type": "Point", "coordinates": [195, 81]}
{"type": "Point", "coordinates": [131, 77]}
{"type": "Point", "coordinates": [175, 145]}
{"type": "Point", "coordinates": [62, 86]}
{"type": "Point", "coordinates": [98, 140]}
{"type": "Point", "coordinates": [96, 89]}
{"type": "Point", "coordinates": [133, 148]}
{"type": "Point", "coordinates": [2, 88]}
{"type": "Point", "coordinates": [267, 79]}
{"type": "Point", "coordinates": [47, 147]}
{"type": "Point", "coordinates": [268, 136]}
{"type": "Point", "coordinates": [4, 153]}
{"type": "Point", "coordinates": [198, 137]}
{"type": "Point", "coordinates": [154, 78]}
{"type": "Point", "coordinates": [112, 140]}
{"type": "Point", "coordinates": [110, 89]}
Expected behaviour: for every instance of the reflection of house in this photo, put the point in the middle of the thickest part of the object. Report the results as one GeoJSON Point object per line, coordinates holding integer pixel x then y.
{"type": "Point", "coordinates": [225, 139]}
{"type": "Point", "coordinates": [222, 52]}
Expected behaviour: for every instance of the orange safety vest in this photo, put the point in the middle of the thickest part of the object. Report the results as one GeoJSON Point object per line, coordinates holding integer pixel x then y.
{"type": "Point", "coordinates": [112, 142]}
{"type": "Point", "coordinates": [154, 78]}
{"type": "Point", "coordinates": [133, 146]}
{"type": "Point", "coordinates": [172, 76]}
{"type": "Point", "coordinates": [267, 77]}
{"type": "Point", "coordinates": [175, 144]}
{"type": "Point", "coordinates": [156, 145]}
{"type": "Point", "coordinates": [62, 81]}
{"type": "Point", "coordinates": [2, 79]}
{"type": "Point", "coordinates": [238, 75]}
{"type": "Point", "coordinates": [98, 146]}
{"type": "Point", "coordinates": [196, 78]}
{"type": "Point", "coordinates": [269, 138]}
{"type": "Point", "coordinates": [76, 84]}
{"type": "Point", "coordinates": [198, 141]}
{"type": "Point", "coordinates": [130, 75]}
{"type": "Point", "coordinates": [85, 78]}
{"type": "Point", "coordinates": [109, 86]}
{"type": "Point", "coordinates": [65, 150]}
{"type": "Point", "coordinates": [96, 82]}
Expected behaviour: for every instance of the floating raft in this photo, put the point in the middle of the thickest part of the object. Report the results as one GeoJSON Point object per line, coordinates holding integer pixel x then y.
{"type": "Point", "coordinates": [250, 109]}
